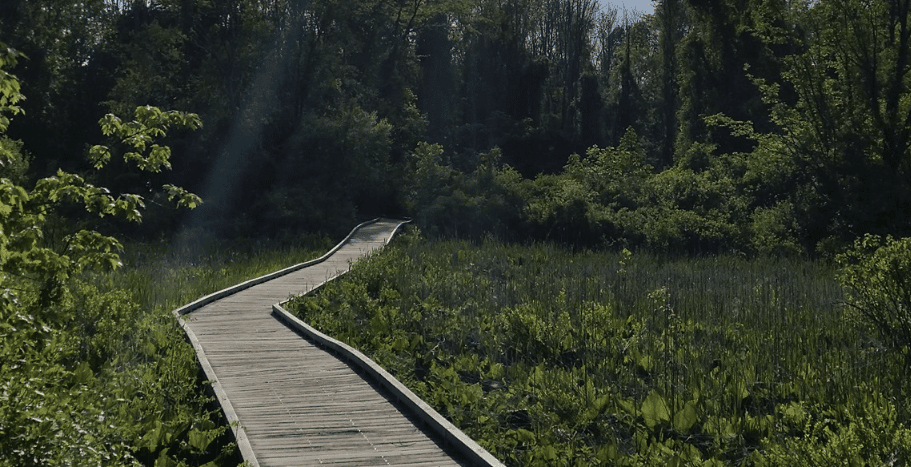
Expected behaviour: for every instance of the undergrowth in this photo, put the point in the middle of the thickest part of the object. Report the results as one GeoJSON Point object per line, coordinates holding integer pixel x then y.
{"type": "Point", "coordinates": [106, 376]}
{"type": "Point", "coordinates": [549, 357]}
{"type": "Point", "coordinates": [176, 423]}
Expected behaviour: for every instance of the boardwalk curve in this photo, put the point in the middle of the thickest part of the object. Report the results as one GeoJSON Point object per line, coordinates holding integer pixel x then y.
{"type": "Point", "coordinates": [292, 402]}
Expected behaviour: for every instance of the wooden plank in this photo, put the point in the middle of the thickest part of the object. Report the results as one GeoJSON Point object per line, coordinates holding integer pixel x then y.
{"type": "Point", "coordinates": [297, 403]}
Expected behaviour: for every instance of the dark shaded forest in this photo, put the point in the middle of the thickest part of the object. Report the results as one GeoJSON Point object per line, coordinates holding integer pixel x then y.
{"type": "Point", "coordinates": [748, 125]}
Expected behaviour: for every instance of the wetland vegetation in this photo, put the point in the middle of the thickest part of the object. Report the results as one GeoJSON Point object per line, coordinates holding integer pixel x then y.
{"type": "Point", "coordinates": [549, 356]}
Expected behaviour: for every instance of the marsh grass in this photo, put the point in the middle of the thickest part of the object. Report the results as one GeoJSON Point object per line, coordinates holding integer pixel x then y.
{"type": "Point", "coordinates": [133, 357]}
{"type": "Point", "coordinates": [550, 357]}
{"type": "Point", "coordinates": [167, 275]}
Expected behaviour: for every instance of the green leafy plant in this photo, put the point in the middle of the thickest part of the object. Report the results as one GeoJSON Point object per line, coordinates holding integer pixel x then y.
{"type": "Point", "coordinates": [78, 385]}
{"type": "Point", "coordinates": [877, 275]}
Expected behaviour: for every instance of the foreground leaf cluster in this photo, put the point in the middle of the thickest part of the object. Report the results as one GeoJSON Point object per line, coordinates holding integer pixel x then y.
{"type": "Point", "coordinates": [87, 375]}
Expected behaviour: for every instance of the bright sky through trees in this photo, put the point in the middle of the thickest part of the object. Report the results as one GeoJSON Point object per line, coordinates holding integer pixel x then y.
{"type": "Point", "coordinates": [642, 6]}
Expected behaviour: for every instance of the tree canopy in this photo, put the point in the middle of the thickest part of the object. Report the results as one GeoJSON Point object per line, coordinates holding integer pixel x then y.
{"type": "Point", "coordinates": [315, 110]}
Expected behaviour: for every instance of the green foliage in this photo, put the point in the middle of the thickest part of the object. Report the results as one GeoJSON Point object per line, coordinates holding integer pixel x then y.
{"type": "Point", "coordinates": [870, 435]}
{"type": "Point", "coordinates": [861, 53]}
{"type": "Point", "coordinates": [876, 272]}
{"type": "Point", "coordinates": [429, 177]}
{"type": "Point", "coordinates": [483, 201]}
{"type": "Point", "coordinates": [655, 411]}
{"type": "Point", "coordinates": [699, 210]}
{"type": "Point", "coordinates": [594, 193]}
{"type": "Point", "coordinates": [763, 127]}
{"type": "Point", "coordinates": [149, 124]}
{"type": "Point", "coordinates": [10, 90]}
{"type": "Point", "coordinates": [774, 230]}
{"type": "Point", "coordinates": [25, 214]}
{"type": "Point", "coordinates": [552, 358]}
{"type": "Point", "coordinates": [784, 140]}
{"type": "Point", "coordinates": [87, 378]}
{"type": "Point", "coordinates": [114, 382]}
{"type": "Point", "coordinates": [612, 195]}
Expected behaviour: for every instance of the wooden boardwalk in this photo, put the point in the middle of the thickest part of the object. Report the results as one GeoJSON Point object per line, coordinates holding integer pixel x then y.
{"type": "Point", "coordinates": [298, 404]}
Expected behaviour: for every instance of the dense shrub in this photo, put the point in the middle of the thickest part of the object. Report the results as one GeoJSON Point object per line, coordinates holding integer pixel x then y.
{"type": "Point", "coordinates": [612, 196]}
{"type": "Point", "coordinates": [444, 200]}
{"type": "Point", "coordinates": [877, 276]}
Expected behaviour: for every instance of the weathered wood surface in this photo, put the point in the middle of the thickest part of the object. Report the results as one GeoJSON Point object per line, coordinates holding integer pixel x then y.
{"type": "Point", "coordinates": [300, 405]}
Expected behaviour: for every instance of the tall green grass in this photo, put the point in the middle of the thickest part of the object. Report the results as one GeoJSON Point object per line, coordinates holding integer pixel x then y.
{"type": "Point", "coordinates": [167, 275]}
{"type": "Point", "coordinates": [132, 358]}
{"type": "Point", "coordinates": [549, 357]}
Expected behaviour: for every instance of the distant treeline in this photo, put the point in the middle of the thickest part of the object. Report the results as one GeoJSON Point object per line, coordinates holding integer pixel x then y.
{"type": "Point", "coordinates": [752, 125]}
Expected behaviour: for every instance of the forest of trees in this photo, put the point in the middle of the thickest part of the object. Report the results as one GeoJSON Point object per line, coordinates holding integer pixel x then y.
{"type": "Point", "coordinates": [752, 125]}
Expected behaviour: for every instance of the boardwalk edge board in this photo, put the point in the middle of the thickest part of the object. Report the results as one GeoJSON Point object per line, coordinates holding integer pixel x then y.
{"type": "Point", "coordinates": [472, 451]}
{"type": "Point", "coordinates": [240, 435]}
{"type": "Point", "coordinates": [265, 278]}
